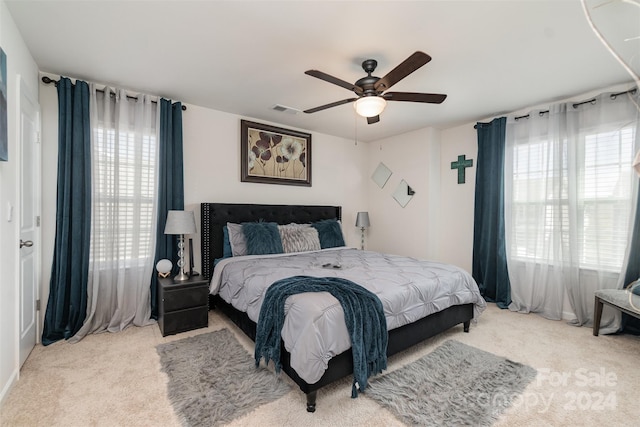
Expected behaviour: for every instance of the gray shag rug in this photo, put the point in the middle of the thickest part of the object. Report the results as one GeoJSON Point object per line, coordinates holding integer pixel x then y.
{"type": "Point", "coordinates": [213, 379]}
{"type": "Point", "coordinates": [455, 385]}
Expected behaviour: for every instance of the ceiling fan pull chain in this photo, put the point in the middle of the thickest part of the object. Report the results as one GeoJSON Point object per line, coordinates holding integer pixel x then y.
{"type": "Point", "coordinates": [355, 123]}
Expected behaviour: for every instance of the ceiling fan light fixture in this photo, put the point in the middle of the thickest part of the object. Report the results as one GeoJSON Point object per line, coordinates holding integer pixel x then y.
{"type": "Point", "coordinates": [369, 106]}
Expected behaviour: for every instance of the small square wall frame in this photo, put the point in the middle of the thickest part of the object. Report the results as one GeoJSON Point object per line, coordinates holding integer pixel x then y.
{"type": "Point", "coordinates": [403, 193]}
{"type": "Point", "coordinates": [381, 175]}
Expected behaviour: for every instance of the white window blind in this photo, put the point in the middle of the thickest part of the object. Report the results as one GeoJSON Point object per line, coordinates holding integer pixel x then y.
{"type": "Point", "coordinates": [606, 194]}
{"type": "Point", "coordinates": [600, 175]}
{"type": "Point", "coordinates": [125, 191]}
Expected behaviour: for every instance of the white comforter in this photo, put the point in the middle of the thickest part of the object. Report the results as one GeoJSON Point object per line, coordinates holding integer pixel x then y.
{"type": "Point", "coordinates": [314, 330]}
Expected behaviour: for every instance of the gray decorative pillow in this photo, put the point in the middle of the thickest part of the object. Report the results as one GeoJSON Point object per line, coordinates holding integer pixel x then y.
{"type": "Point", "coordinates": [299, 238]}
{"type": "Point", "coordinates": [236, 239]}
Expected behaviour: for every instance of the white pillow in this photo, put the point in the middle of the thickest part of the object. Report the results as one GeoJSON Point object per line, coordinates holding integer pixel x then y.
{"type": "Point", "coordinates": [236, 239]}
{"type": "Point", "coordinates": [299, 238]}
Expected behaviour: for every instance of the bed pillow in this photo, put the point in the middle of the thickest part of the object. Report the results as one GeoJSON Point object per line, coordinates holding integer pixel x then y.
{"type": "Point", "coordinates": [236, 239]}
{"type": "Point", "coordinates": [226, 244]}
{"type": "Point", "coordinates": [299, 238]}
{"type": "Point", "coordinates": [262, 238]}
{"type": "Point", "coordinates": [330, 233]}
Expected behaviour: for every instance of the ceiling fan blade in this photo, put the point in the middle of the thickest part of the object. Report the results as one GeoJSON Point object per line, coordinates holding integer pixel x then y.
{"type": "Point", "coordinates": [372, 120]}
{"type": "Point", "coordinates": [431, 98]}
{"type": "Point", "coordinates": [408, 66]}
{"type": "Point", "coordinates": [336, 81]}
{"type": "Point", "coordinates": [333, 104]}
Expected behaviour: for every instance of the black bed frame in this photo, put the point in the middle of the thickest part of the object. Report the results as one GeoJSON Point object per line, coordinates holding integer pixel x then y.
{"type": "Point", "coordinates": [214, 218]}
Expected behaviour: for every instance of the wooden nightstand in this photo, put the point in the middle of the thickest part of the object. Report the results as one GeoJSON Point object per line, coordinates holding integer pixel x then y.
{"type": "Point", "coordinates": [182, 305]}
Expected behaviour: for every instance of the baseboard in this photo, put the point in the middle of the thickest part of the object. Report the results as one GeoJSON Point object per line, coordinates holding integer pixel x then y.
{"type": "Point", "coordinates": [13, 379]}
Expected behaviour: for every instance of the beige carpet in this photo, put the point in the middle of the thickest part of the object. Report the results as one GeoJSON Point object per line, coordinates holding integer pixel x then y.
{"type": "Point", "coordinates": [115, 379]}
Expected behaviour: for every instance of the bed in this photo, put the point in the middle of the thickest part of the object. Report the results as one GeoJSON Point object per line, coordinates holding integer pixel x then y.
{"type": "Point", "coordinates": [312, 374]}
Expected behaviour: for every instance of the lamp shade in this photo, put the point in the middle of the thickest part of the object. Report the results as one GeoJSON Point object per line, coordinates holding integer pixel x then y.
{"type": "Point", "coordinates": [180, 222]}
{"type": "Point", "coordinates": [362, 220]}
{"type": "Point", "coordinates": [369, 106]}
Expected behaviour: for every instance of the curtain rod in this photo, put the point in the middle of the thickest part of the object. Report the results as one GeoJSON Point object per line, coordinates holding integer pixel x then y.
{"type": "Point", "coordinates": [47, 80]}
{"type": "Point", "coordinates": [577, 104]}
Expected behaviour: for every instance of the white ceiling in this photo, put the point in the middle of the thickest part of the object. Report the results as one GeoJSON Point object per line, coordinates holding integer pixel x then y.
{"type": "Point", "coordinates": [490, 57]}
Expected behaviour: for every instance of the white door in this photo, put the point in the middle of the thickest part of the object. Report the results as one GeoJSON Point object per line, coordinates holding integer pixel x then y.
{"type": "Point", "coordinates": [29, 218]}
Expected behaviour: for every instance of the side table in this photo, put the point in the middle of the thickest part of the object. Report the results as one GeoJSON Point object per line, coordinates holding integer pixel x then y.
{"type": "Point", "coordinates": [182, 305]}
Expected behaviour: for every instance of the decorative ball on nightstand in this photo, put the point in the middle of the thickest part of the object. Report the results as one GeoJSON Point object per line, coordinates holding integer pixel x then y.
{"type": "Point", "coordinates": [164, 267]}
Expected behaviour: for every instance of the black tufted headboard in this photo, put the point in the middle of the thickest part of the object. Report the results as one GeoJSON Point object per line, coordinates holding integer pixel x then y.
{"type": "Point", "coordinates": [216, 215]}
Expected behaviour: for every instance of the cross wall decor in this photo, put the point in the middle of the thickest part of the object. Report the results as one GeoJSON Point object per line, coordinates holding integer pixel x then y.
{"type": "Point", "coordinates": [461, 165]}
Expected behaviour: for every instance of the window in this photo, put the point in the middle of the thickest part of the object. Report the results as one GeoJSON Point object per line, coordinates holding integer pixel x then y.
{"type": "Point", "coordinates": [598, 174]}
{"type": "Point", "coordinates": [123, 173]}
{"type": "Point", "coordinates": [606, 194]}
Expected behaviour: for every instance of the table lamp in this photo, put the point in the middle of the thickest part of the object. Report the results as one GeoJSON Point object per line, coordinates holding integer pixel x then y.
{"type": "Point", "coordinates": [180, 223]}
{"type": "Point", "coordinates": [362, 221]}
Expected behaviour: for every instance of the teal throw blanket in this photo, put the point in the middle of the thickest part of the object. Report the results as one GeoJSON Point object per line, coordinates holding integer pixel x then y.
{"type": "Point", "coordinates": [363, 314]}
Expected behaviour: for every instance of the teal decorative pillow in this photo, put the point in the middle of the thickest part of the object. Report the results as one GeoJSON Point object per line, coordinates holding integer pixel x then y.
{"type": "Point", "coordinates": [330, 233]}
{"type": "Point", "coordinates": [262, 238]}
{"type": "Point", "coordinates": [226, 244]}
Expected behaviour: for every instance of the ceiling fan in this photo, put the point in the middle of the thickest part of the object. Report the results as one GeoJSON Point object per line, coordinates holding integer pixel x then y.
{"type": "Point", "coordinates": [372, 98]}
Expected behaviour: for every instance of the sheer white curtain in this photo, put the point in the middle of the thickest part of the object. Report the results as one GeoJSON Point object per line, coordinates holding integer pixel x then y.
{"type": "Point", "coordinates": [124, 181]}
{"type": "Point", "coordinates": [570, 194]}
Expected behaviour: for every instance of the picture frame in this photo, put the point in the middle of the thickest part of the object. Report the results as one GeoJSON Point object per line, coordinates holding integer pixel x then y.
{"type": "Point", "coordinates": [274, 155]}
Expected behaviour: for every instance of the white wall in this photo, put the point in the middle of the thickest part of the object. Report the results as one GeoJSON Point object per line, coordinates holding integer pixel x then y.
{"type": "Point", "coordinates": [411, 230]}
{"type": "Point", "coordinates": [19, 62]}
{"type": "Point", "coordinates": [456, 202]}
{"type": "Point", "coordinates": [437, 223]}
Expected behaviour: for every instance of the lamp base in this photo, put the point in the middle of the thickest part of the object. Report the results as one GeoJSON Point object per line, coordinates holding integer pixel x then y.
{"type": "Point", "coordinates": [181, 276]}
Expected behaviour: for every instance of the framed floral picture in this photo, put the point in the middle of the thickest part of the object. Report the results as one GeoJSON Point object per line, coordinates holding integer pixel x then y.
{"type": "Point", "coordinates": [273, 155]}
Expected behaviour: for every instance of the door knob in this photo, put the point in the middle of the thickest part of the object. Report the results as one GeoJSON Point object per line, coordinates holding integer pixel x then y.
{"type": "Point", "coordinates": [27, 243]}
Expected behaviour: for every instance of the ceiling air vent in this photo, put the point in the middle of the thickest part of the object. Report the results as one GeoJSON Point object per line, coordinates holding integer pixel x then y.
{"type": "Point", "coordinates": [285, 109]}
